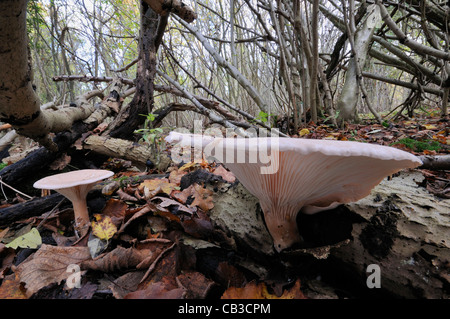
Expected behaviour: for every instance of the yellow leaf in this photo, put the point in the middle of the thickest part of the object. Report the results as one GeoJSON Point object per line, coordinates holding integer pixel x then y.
{"type": "Point", "coordinates": [163, 183]}
{"type": "Point", "coordinates": [303, 132]}
{"type": "Point", "coordinates": [430, 126]}
{"type": "Point", "coordinates": [103, 227]}
{"type": "Point", "coordinates": [188, 165]}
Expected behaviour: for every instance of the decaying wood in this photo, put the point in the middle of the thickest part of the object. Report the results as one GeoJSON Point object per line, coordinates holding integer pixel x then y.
{"type": "Point", "coordinates": [405, 231]}
{"type": "Point", "coordinates": [431, 162]}
{"type": "Point", "coordinates": [29, 209]}
{"type": "Point", "coordinates": [400, 226]}
{"type": "Point", "coordinates": [115, 147]}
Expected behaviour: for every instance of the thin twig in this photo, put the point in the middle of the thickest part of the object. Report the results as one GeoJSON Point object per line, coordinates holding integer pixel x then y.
{"type": "Point", "coordinates": [23, 194]}
{"type": "Point", "coordinates": [50, 213]}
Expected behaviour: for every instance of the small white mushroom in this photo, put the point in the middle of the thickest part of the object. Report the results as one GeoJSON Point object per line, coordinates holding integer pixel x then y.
{"type": "Point", "coordinates": [75, 186]}
{"type": "Point", "coordinates": [289, 175]}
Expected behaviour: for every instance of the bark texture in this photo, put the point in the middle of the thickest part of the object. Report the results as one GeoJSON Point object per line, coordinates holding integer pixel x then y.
{"type": "Point", "coordinates": [400, 227]}
{"type": "Point", "coordinates": [362, 39]}
{"type": "Point", "coordinates": [405, 231]}
{"type": "Point", "coordinates": [19, 105]}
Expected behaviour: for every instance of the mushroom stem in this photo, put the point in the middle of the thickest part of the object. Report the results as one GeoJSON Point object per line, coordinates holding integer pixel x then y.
{"type": "Point", "coordinates": [282, 226]}
{"type": "Point", "coordinates": [81, 215]}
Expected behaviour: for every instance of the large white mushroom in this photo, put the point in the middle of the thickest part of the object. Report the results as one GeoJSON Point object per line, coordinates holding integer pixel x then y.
{"type": "Point", "coordinates": [288, 175]}
{"type": "Point", "coordinates": [75, 185]}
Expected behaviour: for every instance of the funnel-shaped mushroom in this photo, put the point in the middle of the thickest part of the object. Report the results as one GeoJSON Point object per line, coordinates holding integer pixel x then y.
{"type": "Point", "coordinates": [75, 186]}
{"type": "Point", "coordinates": [288, 175]}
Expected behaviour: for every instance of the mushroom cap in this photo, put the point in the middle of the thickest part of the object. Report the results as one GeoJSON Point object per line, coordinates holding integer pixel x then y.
{"type": "Point", "coordinates": [73, 178]}
{"type": "Point", "coordinates": [288, 175]}
{"type": "Point", "coordinates": [303, 172]}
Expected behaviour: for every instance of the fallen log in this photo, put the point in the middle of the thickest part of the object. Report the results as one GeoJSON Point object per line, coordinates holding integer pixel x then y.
{"type": "Point", "coordinates": [438, 162]}
{"type": "Point", "coordinates": [31, 208]}
{"type": "Point", "coordinates": [400, 227]}
{"type": "Point", "coordinates": [405, 231]}
{"type": "Point", "coordinates": [128, 150]}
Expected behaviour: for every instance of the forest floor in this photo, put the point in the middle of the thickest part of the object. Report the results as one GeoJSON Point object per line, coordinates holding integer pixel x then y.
{"type": "Point", "coordinates": [154, 238]}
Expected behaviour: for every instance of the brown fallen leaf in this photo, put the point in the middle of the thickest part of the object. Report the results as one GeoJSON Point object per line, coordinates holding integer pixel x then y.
{"type": "Point", "coordinates": [226, 175]}
{"type": "Point", "coordinates": [60, 162]}
{"type": "Point", "coordinates": [202, 197]}
{"type": "Point", "coordinates": [50, 264]}
{"type": "Point", "coordinates": [259, 291]}
{"type": "Point", "coordinates": [196, 284]}
{"type": "Point", "coordinates": [176, 175]}
{"type": "Point", "coordinates": [116, 209]}
{"type": "Point", "coordinates": [166, 186]}
{"type": "Point", "coordinates": [157, 290]}
{"type": "Point", "coordinates": [165, 202]}
{"type": "Point", "coordinates": [118, 259]}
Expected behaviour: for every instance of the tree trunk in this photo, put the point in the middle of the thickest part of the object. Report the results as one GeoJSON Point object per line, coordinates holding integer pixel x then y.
{"type": "Point", "coordinates": [19, 105]}
{"type": "Point", "coordinates": [130, 118]}
{"type": "Point", "coordinates": [347, 102]}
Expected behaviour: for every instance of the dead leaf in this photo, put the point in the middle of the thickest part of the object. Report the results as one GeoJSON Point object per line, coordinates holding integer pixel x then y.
{"type": "Point", "coordinates": [60, 163]}
{"type": "Point", "coordinates": [259, 291]}
{"type": "Point", "coordinates": [303, 132]}
{"type": "Point", "coordinates": [198, 228]}
{"type": "Point", "coordinates": [11, 288]}
{"type": "Point", "coordinates": [163, 183]}
{"type": "Point", "coordinates": [176, 175]}
{"type": "Point", "coordinates": [226, 175]}
{"type": "Point", "coordinates": [103, 227]}
{"type": "Point", "coordinates": [116, 209]}
{"type": "Point", "coordinates": [157, 290]}
{"type": "Point", "coordinates": [127, 197]}
{"type": "Point", "coordinates": [126, 283]}
{"type": "Point", "coordinates": [202, 197]}
{"type": "Point", "coordinates": [118, 259]}
{"type": "Point", "coordinates": [165, 202]}
{"type": "Point", "coordinates": [49, 265]}
{"type": "Point", "coordinates": [196, 284]}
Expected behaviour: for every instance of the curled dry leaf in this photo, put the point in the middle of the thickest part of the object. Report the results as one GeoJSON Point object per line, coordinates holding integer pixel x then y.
{"type": "Point", "coordinates": [202, 197]}
{"type": "Point", "coordinates": [139, 257]}
{"type": "Point", "coordinates": [167, 202]}
{"type": "Point", "coordinates": [226, 175]}
{"type": "Point", "coordinates": [49, 265]}
{"type": "Point", "coordinates": [116, 209]}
